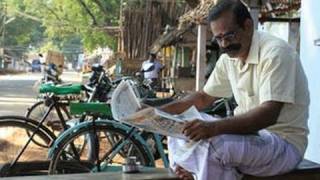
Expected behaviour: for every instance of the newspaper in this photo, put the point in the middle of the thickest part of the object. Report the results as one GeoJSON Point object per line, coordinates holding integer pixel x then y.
{"type": "Point", "coordinates": [125, 107]}
{"type": "Point", "coordinates": [124, 101]}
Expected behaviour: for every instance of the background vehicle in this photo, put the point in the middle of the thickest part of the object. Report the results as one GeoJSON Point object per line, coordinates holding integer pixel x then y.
{"type": "Point", "coordinates": [36, 65]}
{"type": "Point", "coordinates": [51, 74]}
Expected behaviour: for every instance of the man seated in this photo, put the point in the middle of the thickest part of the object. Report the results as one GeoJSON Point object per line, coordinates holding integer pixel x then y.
{"type": "Point", "coordinates": [268, 134]}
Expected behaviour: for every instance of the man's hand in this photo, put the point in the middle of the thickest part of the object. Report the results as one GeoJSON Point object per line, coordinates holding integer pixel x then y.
{"type": "Point", "coordinates": [197, 130]}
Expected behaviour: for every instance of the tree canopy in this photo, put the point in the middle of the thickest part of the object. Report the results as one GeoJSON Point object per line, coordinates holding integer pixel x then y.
{"type": "Point", "coordinates": [72, 26]}
{"type": "Point", "coordinates": [68, 26]}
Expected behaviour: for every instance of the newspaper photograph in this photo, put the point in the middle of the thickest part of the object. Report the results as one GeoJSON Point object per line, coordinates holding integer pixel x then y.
{"type": "Point", "coordinates": [126, 108]}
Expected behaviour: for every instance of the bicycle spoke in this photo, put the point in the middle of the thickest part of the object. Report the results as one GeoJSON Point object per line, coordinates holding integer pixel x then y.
{"type": "Point", "coordinates": [114, 147]}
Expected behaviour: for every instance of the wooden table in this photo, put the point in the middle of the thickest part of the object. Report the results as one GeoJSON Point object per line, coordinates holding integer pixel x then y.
{"type": "Point", "coordinates": [145, 174]}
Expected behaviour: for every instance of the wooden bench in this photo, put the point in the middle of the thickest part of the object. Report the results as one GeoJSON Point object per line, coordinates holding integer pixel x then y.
{"type": "Point", "coordinates": [306, 170]}
{"type": "Point", "coordinates": [145, 174]}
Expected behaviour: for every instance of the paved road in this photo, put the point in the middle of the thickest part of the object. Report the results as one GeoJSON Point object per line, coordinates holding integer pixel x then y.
{"type": "Point", "coordinates": [16, 92]}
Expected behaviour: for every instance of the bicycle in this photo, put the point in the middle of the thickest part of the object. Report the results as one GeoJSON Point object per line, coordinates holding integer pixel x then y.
{"type": "Point", "coordinates": [35, 135]}
{"type": "Point", "coordinates": [32, 133]}
{"type": "Point", "coordinates": [29, 133]}
{"type": "Point", "coordinates": [99, 88]}
{"type": "Point", "coordinates": [59, 96]}
{"type": "Point", "coordinates": [21, 147]}
{"type": "Point", "coordinates": [117, 140]}
{"type": "Point", "coordinates": [110, 154]}
{"type": "Point", "coordinates": [54, 108]}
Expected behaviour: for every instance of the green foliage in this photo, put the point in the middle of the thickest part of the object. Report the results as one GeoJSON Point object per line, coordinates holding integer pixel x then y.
{"type": "Point", "coordinates": [65, 18]}
{"type": "Point", "coordinates": [20, 32]}
{"type": "Point", "coordinates": [49, 46]}
{"type": "Point", "coordinates": [65, 25]}
{"type": "Point", "coordinates": [90, 40]}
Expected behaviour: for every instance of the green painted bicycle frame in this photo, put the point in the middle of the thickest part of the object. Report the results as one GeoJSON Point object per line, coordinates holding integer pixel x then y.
{"type": "Point", "coordinates": [160, 148]}
{"type": "Point", "coordinates": [60, 89]}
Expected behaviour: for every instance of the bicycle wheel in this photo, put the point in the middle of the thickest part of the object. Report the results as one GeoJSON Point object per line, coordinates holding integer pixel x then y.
{"type": "Point", "coordinates": [14, 137]}
{"type": "Point", "coordinates": [52, 122]}
{"type": "Point", "coordinates": [69, 155]}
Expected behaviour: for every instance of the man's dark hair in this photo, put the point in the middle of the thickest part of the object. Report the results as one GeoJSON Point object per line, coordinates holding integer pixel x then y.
{"type": "Point", "coordinates": [239, 10]}
{"type": "Point", "coordinates": [152, 54]}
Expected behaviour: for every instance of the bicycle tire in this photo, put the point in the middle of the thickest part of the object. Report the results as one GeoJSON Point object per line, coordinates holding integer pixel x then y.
{"type": "Point", "coordinates": [13, 137]}
{"type": "Point", "coordinates": [63, 161]}
{"type": "Point", "coordinates": [37, 111]}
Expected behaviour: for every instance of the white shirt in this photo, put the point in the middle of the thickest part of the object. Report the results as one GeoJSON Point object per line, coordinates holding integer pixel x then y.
{"type": "Point", "coordinates": [155, 72]}
{"type": "Point", "coordinates": [272, 72]}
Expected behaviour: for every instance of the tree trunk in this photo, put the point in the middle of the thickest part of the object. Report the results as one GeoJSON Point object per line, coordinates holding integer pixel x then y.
{"type": "Point", "coordinates": [144, 22]}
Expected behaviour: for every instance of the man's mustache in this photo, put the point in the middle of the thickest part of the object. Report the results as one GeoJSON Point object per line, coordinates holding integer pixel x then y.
{"type": "Point", "coordinates": [232, 47]}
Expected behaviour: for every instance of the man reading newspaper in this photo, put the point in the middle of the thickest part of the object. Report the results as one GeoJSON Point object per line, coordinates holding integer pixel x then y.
{"type": "Point", "coordinates": [268, 134]}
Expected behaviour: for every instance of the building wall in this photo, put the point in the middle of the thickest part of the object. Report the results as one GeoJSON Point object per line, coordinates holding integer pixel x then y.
{"type": "Point", "coordinates": [310, 57]}
{"type": "Point", "coordinates": [278, 29]}
{"type": "Point", "coordinates": [289, 32]}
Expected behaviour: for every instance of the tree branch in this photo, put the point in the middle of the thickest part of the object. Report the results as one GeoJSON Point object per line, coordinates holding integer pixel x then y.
{"type": "Point", "coordinates": [89, 12]}
{"type": "Point", "coordinates": [51, 11]}
{"type": "Point", "coordinates": [28, 16]}
{"type": "Point", "coordinates": [101, 6]}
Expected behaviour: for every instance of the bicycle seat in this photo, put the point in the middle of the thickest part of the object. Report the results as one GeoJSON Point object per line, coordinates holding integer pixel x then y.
{"type": "Point", "coordinates": [98, 108]}
{"type": "Point", "coordinates": [60, 89]}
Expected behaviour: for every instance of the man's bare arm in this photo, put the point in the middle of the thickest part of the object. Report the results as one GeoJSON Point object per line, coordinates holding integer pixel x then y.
{"type": "Point", "coordinates": [200, 99]}
{"type": "Point", "coordinates": [254, 120]}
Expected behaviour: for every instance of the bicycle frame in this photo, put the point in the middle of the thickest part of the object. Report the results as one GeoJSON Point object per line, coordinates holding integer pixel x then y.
{"type": "Point", "coordinates": [54, 103]}
{"type": "Point", "coordinates": [115, 149]}
{"type": "Point", "coordinates": [132, 132]}
{"type": "Point", "coordinates": [160, 149]}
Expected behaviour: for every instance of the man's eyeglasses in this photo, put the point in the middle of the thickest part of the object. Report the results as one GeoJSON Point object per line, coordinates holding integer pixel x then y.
{"type": "Point", "coordinates": [229, 36]}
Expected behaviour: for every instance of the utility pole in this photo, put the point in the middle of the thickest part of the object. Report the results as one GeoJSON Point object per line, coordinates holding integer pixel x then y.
{"type": "Point", "coordinates": [4, 15]}
{"type": "Point", "coordinates": [121, 40]}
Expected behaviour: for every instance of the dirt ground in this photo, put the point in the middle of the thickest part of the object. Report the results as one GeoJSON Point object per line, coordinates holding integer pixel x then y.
{"type": "Point", "coordinates": [10, 144]}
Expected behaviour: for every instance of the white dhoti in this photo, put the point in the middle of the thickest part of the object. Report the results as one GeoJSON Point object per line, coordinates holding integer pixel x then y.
{"type": "Point", "coordinates": [227, 157]}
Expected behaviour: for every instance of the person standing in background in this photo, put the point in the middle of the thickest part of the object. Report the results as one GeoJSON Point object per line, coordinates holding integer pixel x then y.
{"type": "Point", "coordinates": [151, 69]}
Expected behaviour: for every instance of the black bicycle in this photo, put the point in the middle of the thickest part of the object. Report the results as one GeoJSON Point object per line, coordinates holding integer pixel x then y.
{"type": "Point", "coordinates": [23, 140]}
